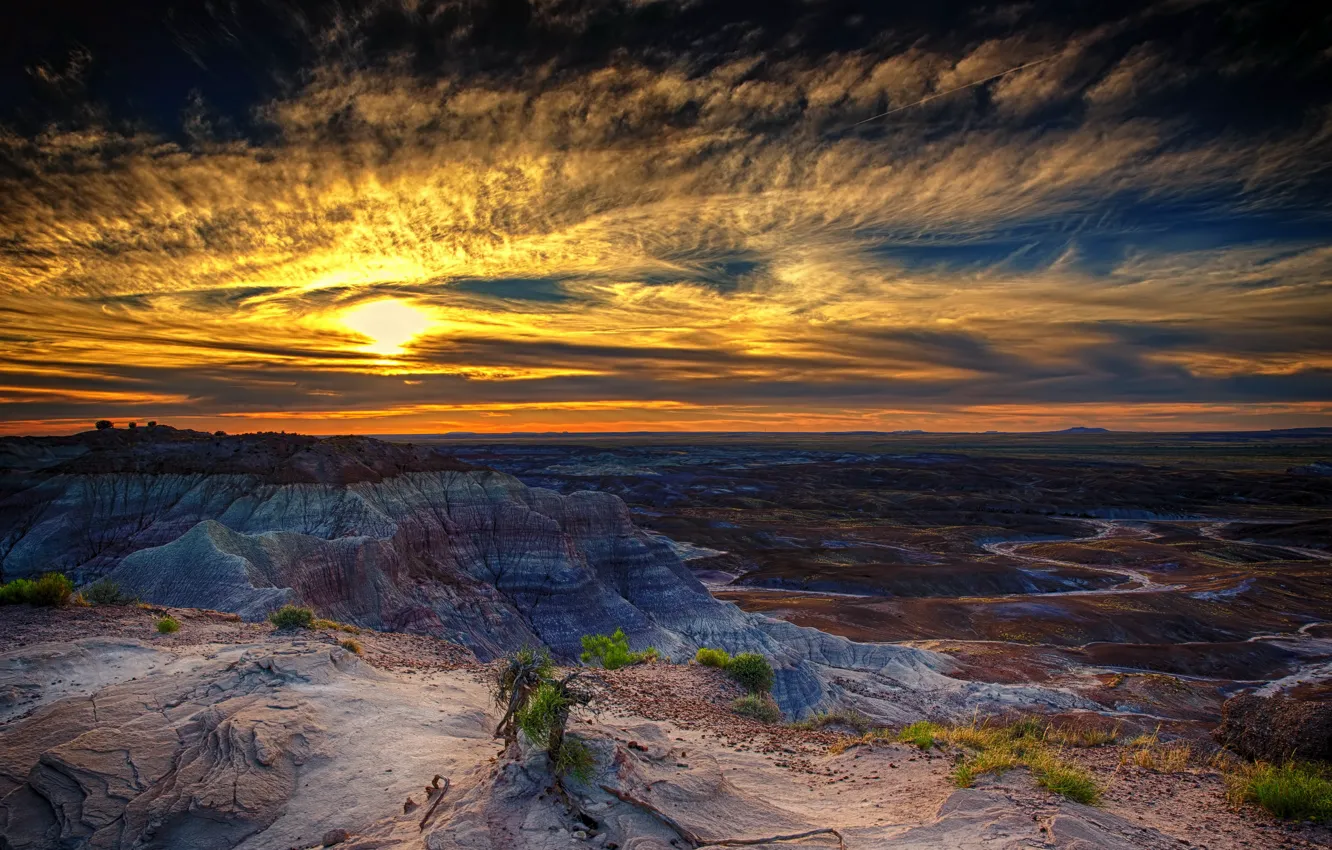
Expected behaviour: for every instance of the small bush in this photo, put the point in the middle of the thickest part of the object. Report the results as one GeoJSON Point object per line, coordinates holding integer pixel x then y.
{"type": "Point", "coordinates": [16, 592]}
{"type": "Point", "coordinates": [1293, 791]}
{"type": "Point", "coordinates": [544, 712]}
{"type": "Point", "coordinates": [168, 625]}
{"type": "Point", "coordinates": [104, 592]}
{"type": "Point", "coordinates": [575, 759]}
{"type": "Point", "coordinates": [759, 707]}
{"type": "Point", "coordinates": [51, 590]}
{"type": "Point", "coordinates": [718, 658]}
{"type": "Point", "coordinates": [292, 617]}
{"type": "Point", "coordinates": [352, 645]}
{"type": "Point", "coordinates": [849, 719]}
{"type": "Point", "coordinates": [922, 734]}
{"type": "Point", "coordinates": [612, 651]}
{"type": "Point", "coordinates": [752, 671]}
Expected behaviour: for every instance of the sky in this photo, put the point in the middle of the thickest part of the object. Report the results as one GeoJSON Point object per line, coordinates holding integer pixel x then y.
{"type": "Point", "coordinates": [400, 216]}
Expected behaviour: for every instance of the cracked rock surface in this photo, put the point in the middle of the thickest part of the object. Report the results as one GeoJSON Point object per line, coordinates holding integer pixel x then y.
{"type": "Point", "coordinates": [231, 735]}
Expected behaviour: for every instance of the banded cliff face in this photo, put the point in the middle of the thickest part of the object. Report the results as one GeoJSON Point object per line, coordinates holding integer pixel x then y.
{"type": "Point", "coordinates": [400, 538]}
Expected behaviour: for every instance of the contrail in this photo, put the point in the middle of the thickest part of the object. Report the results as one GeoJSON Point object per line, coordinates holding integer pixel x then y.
{"type": "Point", "coordinates": [950, 91]}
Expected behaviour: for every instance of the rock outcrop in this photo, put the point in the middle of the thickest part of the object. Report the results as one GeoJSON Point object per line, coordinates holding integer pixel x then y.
{"type": "Point", "coordinates": [1277, 728]}
{"type": "Point", "coordinates": [210, 767]}
{"type": "Point", "coordinates": [261, 745]}
{"type": "Point", "coordinates": [274, 741]}
{"type": "Point", "coordinates": [399, 538]}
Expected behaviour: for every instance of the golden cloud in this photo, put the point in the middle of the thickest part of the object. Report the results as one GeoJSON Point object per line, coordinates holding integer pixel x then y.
{"type": "Point", "coordinates": [636, 236]}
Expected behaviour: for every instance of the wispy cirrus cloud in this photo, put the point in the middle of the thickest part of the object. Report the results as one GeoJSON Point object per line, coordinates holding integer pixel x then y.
{"type": "Point", "coordinates": [698, 230]}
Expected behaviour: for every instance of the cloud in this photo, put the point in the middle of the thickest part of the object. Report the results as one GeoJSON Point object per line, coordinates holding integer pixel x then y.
{"type": "Point", "coordinates": [699, 226]}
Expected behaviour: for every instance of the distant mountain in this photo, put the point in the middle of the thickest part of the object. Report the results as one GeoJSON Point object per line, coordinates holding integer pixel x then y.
{"type": "Point", "coordinates": [1081, 429]}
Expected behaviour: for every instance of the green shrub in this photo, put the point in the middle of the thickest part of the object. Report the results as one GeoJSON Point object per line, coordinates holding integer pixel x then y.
{"type": "Point", "coordinates": [922, 734]}
{"type": "Point", "coordinates": [16, 592]}
{"type": "Point", "coordinates": [752, 671]}
{"type": "Point", "coordinates": [575, 759]}
{"type": "Point", "coordinates": [718, 658]}
{"type": "Point", "coordinates": [168, 625]}
{"type": "Point", "coordinates": [612, 651]}
{"type": "Point", "coordinates": [292, 617]}
{"type": "Point", "coordinates": [758, 707]}
{"type": "Point", "coordinates": [1293, 791]}
{"type": "Point", "coordinates": [545, 711]}
{"type": "Point", "coordinates": [51, 590]}
{"type": "Point", "coordinates": [537, 706]}
{"type": "Point", "coordinates": [104, 592]}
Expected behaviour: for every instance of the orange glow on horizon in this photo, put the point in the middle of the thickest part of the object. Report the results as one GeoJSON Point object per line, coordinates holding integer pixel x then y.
{"type": "Point", "coordinates": [606, 416]}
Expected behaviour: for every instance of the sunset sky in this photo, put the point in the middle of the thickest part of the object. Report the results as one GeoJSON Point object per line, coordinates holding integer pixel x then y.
{"type": "Point", "coordinates": [418, 217]}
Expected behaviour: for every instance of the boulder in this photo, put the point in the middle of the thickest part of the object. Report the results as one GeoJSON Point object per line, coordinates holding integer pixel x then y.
{"type": "Point", "coordinates": [1276, 728]}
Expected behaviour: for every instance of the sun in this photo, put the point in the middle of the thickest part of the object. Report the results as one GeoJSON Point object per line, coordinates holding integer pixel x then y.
{"type": "Point", "coordinates": [389, 324]}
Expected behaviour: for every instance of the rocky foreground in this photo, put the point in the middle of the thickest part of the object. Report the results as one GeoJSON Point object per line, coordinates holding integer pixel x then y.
{"type": "Point", "coordinates": [230, 734]}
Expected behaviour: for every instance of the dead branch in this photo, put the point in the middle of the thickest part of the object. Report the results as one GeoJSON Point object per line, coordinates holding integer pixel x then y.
{"type": "Point", "coordinates": [504, 728]}
{"type": "Point", "coordinates": [440, 796]}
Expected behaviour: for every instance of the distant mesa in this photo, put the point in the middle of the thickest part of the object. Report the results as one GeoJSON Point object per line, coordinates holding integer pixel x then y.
{"type": "Point", "coordinates": [1318, 467]}
{"type": "Point", "coordinates": [870, 433]}
{"type": "Point", "coordinates": [1081, 429]}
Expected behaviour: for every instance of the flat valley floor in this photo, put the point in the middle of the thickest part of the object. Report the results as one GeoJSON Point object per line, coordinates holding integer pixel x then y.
{"type": "Point", "coordinates": [1156, 573]}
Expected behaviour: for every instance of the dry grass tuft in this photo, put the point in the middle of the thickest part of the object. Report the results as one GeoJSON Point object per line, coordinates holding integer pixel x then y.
{"type": "Point", "coordinates": [853, 720]}
{"type": "Point", "coordinates": [335, 626]}
{"type": "Point", "coordinates": [995, 748]}
{"type": "Point", "coordinates": [1160, 758]}
{"type": "Point", "coordinates": [1081, 737]}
